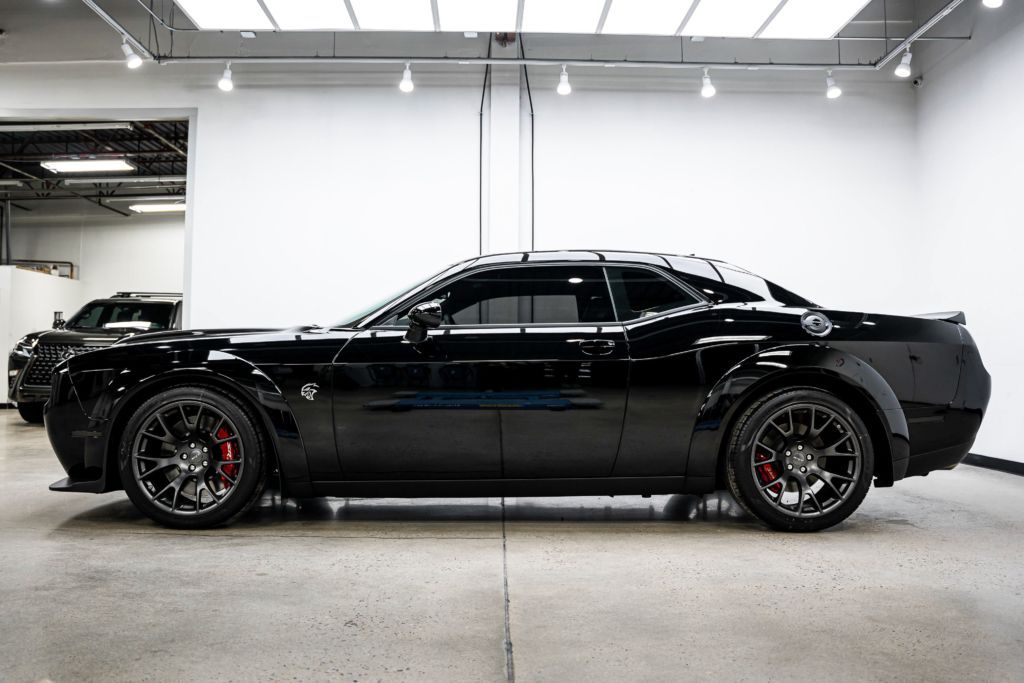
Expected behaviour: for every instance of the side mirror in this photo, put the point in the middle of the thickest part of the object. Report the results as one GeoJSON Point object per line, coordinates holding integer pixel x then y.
{"type": "Point", "coordinates": [422, 317]}
{"type": "Point", "coordinates": [58, 320]}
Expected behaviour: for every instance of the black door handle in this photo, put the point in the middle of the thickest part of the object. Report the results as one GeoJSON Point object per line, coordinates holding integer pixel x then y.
{"type": "Point", "coordinates": [595, 347]}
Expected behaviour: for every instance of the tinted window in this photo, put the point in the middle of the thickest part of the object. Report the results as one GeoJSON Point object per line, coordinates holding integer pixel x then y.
{"type": "Point", "coordinates": [640, 292]}
{"type": "Point", "coordinates": [123, 316]}
{"type": "Point", "coordinates": [525, 295]}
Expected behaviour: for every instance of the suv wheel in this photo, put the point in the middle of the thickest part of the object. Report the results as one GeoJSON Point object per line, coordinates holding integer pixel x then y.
{"type": "Point", "coordinates": [31, 412]}
{"type": "Point", "coordinates": [192, 457]}
{"type": "Point", "coordinates": [800, 460]}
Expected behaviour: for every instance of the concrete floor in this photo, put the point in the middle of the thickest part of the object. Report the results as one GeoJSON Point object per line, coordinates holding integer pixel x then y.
{"type": "Point", "coordinates": [923, 583]}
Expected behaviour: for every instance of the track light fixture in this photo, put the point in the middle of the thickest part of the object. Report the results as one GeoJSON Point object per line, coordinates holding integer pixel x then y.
{"type": "Point", "coordinates": [406, 85]}
{"type": "Point", "coordinates": [992, 4]}
{"type": "Point", "coordinates": [707, 88]}
{"type": "Point", "coordinates": [832, 91]}
{"type": "Point", "coordinates": [903, 68]}
{"type": "Point", "coordinates": [563, 83]}
{"type": "Point", "coordinates": [226, 83]}
{"type": "Point", "coordinates": [131, 60]}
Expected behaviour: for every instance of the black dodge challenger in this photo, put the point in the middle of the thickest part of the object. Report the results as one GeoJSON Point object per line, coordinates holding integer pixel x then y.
{"type": "Point", "coordinates": [531, 374]}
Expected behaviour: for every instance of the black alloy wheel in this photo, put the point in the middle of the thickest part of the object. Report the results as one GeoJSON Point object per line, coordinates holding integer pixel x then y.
{"type": "Point", "coordinates": [800, 460]}
{"type": "Point", "coordinates": [192, 457]}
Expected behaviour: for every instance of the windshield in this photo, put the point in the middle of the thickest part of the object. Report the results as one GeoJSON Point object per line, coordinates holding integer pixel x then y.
{"type": "Point", "coordinates": [355, 318]}
{"type": "Point", "coordinates": [124, 316]}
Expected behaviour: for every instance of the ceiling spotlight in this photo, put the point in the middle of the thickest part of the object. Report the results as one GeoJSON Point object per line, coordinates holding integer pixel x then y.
{"type": "Point", "coordinates": [563, 83]}
{"type": "Point", "coordinates": [407, 85]}
{"type": "Point", "coordinates": [903, 68]}
{"type": "Point", "coordinates": [832, 91]}
{"type": "Point", "coordinates": [707, 88]}
{"type": "Point", "coordinates": [226, 83]}
{"type": "Point", "coordinates": [992, 4]}
{"type": "Point", "coordinates": [132, 60]}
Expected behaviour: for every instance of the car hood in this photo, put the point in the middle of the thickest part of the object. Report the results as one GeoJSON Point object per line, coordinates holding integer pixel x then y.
{"type": "Point", "coordinates": [80, 337]}
{"type": "Point", "coordinates": [186, 335]}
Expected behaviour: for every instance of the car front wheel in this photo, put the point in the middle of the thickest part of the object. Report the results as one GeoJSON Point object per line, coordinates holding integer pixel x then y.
{"type": "Point", "coordinates": [800, 460]}
{"type": "Point", "coordinates": [192, 457]}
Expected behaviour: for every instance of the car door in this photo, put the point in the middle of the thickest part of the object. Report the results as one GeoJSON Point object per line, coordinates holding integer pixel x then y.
{"type": "Point", "coordinates": [525, 378]}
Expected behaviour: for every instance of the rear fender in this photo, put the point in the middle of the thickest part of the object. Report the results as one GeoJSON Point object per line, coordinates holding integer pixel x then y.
{"type": "Point", "coordinates": [802, 365]}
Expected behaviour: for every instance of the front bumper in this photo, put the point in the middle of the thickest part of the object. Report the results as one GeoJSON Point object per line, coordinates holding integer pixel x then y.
{"type": "Point", "coordinates": [17, 390]}
{"type": "Point", "coordinates": [78, 441]}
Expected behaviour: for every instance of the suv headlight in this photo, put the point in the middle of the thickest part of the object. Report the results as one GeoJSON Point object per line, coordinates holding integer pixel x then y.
{"type": "Point", "coordinates": [25, 346]}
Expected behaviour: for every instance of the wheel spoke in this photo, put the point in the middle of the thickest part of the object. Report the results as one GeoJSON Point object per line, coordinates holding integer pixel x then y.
{"type": "Point", "coordinates": [814, 498]}
{"type": "Point", "coordinates": [164, 439]}
{"type": "Point", "coordinates": [815, 433]}
{"type": "Point", "coordinates": [828, 482]}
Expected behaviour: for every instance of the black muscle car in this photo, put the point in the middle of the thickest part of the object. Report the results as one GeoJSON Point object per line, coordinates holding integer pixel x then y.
{"type": "Point", "coordinates": [539, 373]}
{"type": "Point", "coordinates": [99, 323]}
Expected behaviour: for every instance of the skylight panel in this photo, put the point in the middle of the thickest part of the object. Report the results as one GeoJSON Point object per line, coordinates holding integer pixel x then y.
{"type": "Point", "coordinates": [562, 16]}
{"type": "Point", "coordinates": [226, 15]}
{"type": "Point", "coordinates": [646, 17]}
{"type": "Point", "coordinates": [310, 15]}
{"type": "Point", "coordinates": [485, 16]}
{"type": "Point", "coordinates": [731, 18]}
{"type": "Point", "coordinates": [394, 15]}
{"type": "Point", "coordinates": [812, 19]}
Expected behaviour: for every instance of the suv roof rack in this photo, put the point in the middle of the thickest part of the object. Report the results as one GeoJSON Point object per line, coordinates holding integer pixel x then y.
{"type": "Point", "coordinates": [147, 294]}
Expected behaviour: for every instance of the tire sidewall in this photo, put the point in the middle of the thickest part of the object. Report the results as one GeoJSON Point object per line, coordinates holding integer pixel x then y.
{"type": "Point", "coordinates": [743, 484]}
{"type": "Point", "coordinates": [249, 485]}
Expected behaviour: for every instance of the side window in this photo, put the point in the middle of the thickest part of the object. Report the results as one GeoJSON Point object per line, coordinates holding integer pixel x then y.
{"type": "Point", "coordinates": [525, 295]}
{"type": "Point", "coordinates": [640, 292]}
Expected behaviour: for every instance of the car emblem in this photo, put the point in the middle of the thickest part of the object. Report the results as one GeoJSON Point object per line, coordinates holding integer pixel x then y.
{"type": "Point", "coordinates": [309, 391]}
{"type": "Point", "coordinates": [67, 353]}
{"type": "Point", "coordinates": [816, 324]}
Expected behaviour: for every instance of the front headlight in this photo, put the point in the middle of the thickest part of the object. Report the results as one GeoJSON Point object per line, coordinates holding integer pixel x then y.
{"type": "Point", "coordinates": [25, 346]}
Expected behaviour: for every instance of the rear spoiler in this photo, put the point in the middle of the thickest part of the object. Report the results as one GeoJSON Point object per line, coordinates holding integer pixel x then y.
{"type": "Point", "coordinates": [957, 317]}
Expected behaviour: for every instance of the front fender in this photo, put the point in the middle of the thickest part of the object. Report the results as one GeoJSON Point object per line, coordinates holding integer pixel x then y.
{"type": "Point", "coordinates": [110, 396]}
{"type": "Point", "coordinates": [809, 365]}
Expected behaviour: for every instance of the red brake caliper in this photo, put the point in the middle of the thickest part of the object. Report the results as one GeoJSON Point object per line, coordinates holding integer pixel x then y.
{"type": "Point", "coordinates": [227, 453]}
{"type": "Point", "coordinates": [766, 472]}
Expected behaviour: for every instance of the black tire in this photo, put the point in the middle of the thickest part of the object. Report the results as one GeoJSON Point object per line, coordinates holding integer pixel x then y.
{"type": "Point", "coordinates": [759, 450]}
{"type": "Point", "coordinates": [31, 412]}
{"type": "Point", "coordinates": [250, 470]}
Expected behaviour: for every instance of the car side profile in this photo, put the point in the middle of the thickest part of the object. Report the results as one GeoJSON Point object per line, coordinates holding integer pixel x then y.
{"type": "Point", "coordinates": [98, 324]}
{"type": "Point", "coordinates": [531, 374]}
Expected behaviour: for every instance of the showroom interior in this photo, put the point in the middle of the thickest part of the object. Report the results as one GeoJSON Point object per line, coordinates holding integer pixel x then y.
{"type": "Point", "coordinates": [271, 164]}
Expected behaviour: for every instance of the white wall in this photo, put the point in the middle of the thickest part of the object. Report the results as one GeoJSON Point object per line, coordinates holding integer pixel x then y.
{"type": "Point", "coordinates": [141, 253]}
{"type": "Point", "coordinates": [971, 169]}
{"type": "Point", "coordinates": [780, 180]}
{"type": "Point", "coordinates": [27, 303]}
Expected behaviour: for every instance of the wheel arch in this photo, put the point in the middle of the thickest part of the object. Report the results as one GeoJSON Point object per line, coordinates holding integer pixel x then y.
{"type": "Point", "coordinates": [256, 396]}
{"type": "Point", "coordinates": [816, 367]}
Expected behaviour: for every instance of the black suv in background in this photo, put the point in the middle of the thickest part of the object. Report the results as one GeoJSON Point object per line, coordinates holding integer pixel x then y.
{"type": "Point", "coordinates": [98, 324]}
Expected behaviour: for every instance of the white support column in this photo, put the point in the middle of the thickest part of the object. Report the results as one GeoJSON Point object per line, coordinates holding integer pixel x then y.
{"type": "Point", "coordinates": [502, 163]}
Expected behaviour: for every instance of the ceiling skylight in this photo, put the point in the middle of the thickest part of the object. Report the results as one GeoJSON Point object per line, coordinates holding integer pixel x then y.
{"type": "Point", "coordinates": [476, 15]}
{"type": "Point", "coordinates": [730, 18]}
{"type": "Point", "coordinates": [394, 15]}
{"type": "Point", "coordinates": [562, 16]}
{"type": "Point", "coordinates": [813, 19]}
{"type": "Point", "coordinates": [646, 17]}
{"type": "Point", "coordinates": [310, 15]}
{"type": "Point", "coordinates": [226, 15]}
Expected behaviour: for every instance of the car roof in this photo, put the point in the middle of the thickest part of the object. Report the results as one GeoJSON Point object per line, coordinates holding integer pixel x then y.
{"type": "Point", "coordinates": [583, 255]}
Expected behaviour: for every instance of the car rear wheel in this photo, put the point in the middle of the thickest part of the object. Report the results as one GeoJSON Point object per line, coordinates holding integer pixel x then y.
{"type": "Point", "coordinates": [31, 412]}
{"type": "Point", "coordinates": [192, 457]}
{"type": "Point", "coordinates": [800, 460]}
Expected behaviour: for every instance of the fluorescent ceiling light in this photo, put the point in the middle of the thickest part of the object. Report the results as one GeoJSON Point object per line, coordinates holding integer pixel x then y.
{"type": "Point", "coordinates": [11, 183]}
{"type": "Point", "coordinates": [87, 165]}
{"type": "Point", "coordinates": [226, 15]}
{"type": "Point", "coordinates": [646, 17]}
{"type": "Point", "coordinates": [562, 16]}
{"type": "Point", "coordinates": [154, 207]}
{"type": "Point", "coordinates": [492, 16]}
{"type": "Point", "coordinates": [309, 15]}
{"type": "Point", "coordinates": [812, 19]}
{"type": "Point", "coordinates": [730, 18]}
{"type": "Point", "coordinates": [129, 179]}
{"type": "Point", "coordinates": [55, 127]}
{"type": "Point", "coordinates": [394, 15]}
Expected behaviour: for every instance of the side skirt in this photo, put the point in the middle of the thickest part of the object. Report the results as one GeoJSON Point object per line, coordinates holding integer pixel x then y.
{"type": "Point", "coordinates": [472, 488]}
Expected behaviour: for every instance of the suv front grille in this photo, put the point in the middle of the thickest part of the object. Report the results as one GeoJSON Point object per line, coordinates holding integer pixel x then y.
{"type": "Point", "coordinates": [45, 358]}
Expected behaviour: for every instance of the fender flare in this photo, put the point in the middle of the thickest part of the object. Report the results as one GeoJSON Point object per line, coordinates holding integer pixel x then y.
{"type": "Point", "coordinates": [127, 387]}
{"type": "Point", "coordinates": [806, 364]}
